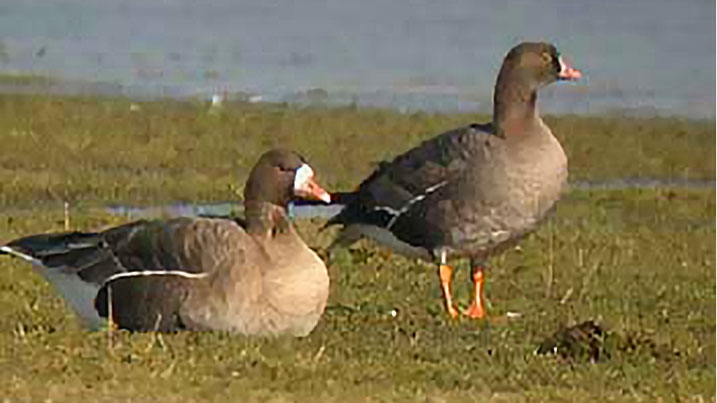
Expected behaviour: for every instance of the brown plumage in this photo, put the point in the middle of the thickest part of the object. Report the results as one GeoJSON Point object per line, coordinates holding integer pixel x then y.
{"type": "Point", "coordinates": [473, 190]}
{"type": "Point", "coordinates": [254, 276]}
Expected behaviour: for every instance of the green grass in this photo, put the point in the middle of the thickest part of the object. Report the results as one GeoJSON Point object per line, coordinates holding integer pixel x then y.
{"type": "Point", "coordinates": [25, 79]}
{"type": "Point", "coordinates": [641, 263]}
{"type": "Point", "coordinates": [78, 149]}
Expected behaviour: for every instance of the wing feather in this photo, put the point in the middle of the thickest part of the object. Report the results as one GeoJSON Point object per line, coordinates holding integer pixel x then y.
{"type": "Point", "coordinates": [399, 194]}
{"type": "Point", "coordinates": [193, 245]}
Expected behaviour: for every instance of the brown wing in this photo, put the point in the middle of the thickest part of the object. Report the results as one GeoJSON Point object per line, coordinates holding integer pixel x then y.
{"type": "Point", "coordinates": [183, 244]}
{"type": "Point", "coordinates": [402, 195]}
{"type": "Point", "coordinates": [146, 269]}
{"type": "Point", "coordinates": [145, 302]}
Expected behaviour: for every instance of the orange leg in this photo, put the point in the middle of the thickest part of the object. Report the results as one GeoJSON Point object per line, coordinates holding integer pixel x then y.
{"type": "Point", "coordinates": [477, 308]}
{"type": "Point", "coordinates": [445, 272]}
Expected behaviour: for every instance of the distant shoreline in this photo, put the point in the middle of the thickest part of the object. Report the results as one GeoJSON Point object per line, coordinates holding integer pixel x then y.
{"type": "Point", "coordinates": [575, 101]}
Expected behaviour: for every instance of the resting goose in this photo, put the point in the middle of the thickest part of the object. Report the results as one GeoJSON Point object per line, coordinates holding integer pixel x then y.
{"type": "Point", "coordinates": [471, 191]}
{"type": "Point", "coordinates": [254, 277]}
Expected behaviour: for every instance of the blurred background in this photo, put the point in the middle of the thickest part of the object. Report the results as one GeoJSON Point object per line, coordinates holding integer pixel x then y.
{"type": "Point", "coordinates": [640, 57]}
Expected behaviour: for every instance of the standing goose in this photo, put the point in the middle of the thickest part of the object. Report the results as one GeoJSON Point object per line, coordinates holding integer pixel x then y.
{"type": "Point", "coordinates": [469, 192]}
{"type": "Point", "coordinates": [254, 277]}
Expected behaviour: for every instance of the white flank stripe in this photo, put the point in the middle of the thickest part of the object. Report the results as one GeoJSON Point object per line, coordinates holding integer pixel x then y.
{"type": "Point", "coordinates": [13, 252]}
{"type": "Point", "coordinates": [413, 201]}
{"type": "Point", "coordinates": [387, 209]}
{"type": "Point", "coordinates": [156, 273]}
{"type": "Point", "coordinates": [81, 245]}
{"type": "Point", "coordinates": [79, 294]}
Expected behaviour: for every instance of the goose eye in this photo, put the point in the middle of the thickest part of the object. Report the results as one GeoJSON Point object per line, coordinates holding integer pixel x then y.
{"type": "Point", "coordinates": [547, 58]}
{"type": "Point", "coordinates": [286, 168]}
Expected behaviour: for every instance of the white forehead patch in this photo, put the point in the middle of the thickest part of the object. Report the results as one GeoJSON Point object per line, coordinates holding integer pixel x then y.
{"type": "Point", "coordinates": [563, 67]}
{"type": "Point", "coordinates": [303, 174]}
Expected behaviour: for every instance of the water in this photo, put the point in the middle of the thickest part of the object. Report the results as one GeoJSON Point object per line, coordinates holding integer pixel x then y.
{"type": "Point", "coordinates": [641, 56]}
{"type": "Point", "coordinates": [219, 209]}
{"type": "Point", "coordinates": [224, 209]}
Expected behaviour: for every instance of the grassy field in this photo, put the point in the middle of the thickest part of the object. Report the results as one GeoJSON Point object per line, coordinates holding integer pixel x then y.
{"type": "Point", "coordinates": [81, 149]}
{"type": "Point", "coordinates": [638, 262]}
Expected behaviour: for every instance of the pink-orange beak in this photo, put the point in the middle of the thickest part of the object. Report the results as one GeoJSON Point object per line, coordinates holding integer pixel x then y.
{"type": "Point", "coordinates": [567, 72]}
{"type": "Point", "coordinates": [312, 190]}
{"type": "Point", "coordinates": [305, 186]}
